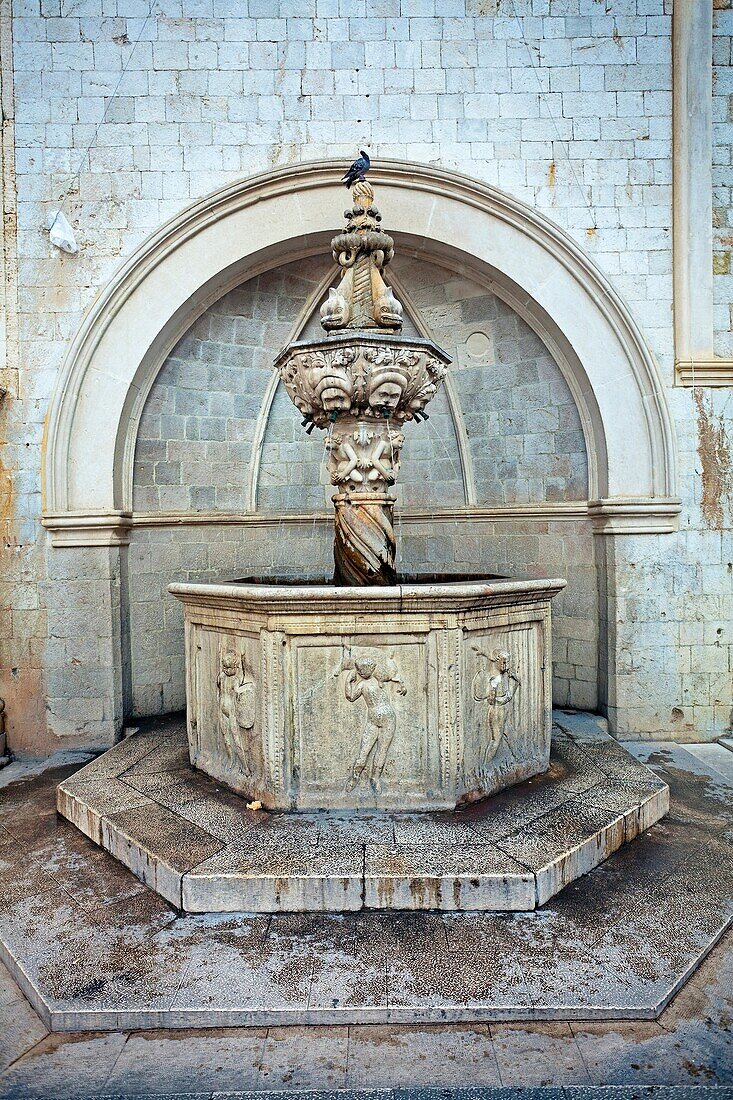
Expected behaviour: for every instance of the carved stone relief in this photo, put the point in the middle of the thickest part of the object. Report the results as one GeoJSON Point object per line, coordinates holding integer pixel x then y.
{"type": "Point", "coordinates": [367, 677]}
{"type": "Point", "coordinates": [496, 684]}
{"type": "Point", "coordinates": [237, 708]}
{"type": "Point", "coordinates": [504, 692]}
{"type": "Point", "coordinates": [226, 726]}
{"type": "Point", "coordinates": [365, 722]}
{"type": "Point", "coordinates": [392, 703]}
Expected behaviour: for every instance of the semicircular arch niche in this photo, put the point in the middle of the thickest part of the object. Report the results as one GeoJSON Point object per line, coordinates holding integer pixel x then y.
{"type": "Point", "coordinates": [218, 433]}
{"type": "Point", "coordinates": [249, 227]}
{"type": "Point", "coordinates": [219, 438]}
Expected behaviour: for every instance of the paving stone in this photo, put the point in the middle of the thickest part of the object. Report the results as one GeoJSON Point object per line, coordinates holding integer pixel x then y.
{"type": "Point", "coordinates": [305, 1058]}
{"type": "Point", "coordinates": [658, 1059]}
{"type": "Point", "coordinates": [61, 1066]}
{"type": "Point", "coordinates": [561, 971]}
{"type": "Point", "coordinates": [246, 980]}
{"type": "Point", "coordinates": [136, 963]}
{"type": "Point", "coordinates": [538, 1054]}
{"type": "Point", "coordinates": [356, 828]}
{"type": "Point", "coordinates": [273, 862]}
{"type": "Point", "coordinates": [455, 963]}
{"type": "Point", "coordinates": [564, 844]}
{"type": "Point", "coordinates": [158, 846]}
{"type": "Point", "coordinates": [640, 807]}
{"type": "Point", "coordinates": [86, 802]}
{"type": "Point", "coordinates": [716, 757]}
{"type": "Point", "coordinates": [173, 1062]}
{"type": "Point", "coordinates": [169, 752]}
{"type": "Point", "coordinates": [431, 1057]}
{"type": "Point", "coordinates": [697, 793]}
{"type": "Point", "coordinates": [20, 1027]}
{"type": "Point", "coordinates": [581, 726]}
{"type": "Point", "coordinates": [277, 876]}
{"type": "Point", "coordinates": [125, 755]}
{"type": "Point", "coordinates": [648, 1092]}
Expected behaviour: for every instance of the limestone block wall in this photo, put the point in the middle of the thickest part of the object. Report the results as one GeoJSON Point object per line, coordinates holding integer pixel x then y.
{"type": "Point", "coordinates": [567, 107]}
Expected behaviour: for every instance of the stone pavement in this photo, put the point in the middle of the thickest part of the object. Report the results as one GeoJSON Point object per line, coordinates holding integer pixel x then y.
{"type": "Point", "coordinates": [689, 1046]}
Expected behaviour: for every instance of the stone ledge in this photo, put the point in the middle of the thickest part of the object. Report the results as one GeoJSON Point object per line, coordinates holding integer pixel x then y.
{"type": "Point", "coordinates": [198, 846]}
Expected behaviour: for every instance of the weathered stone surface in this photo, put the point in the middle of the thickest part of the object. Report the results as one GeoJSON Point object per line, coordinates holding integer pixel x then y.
{"type": "Point", "coordinates": [442, 877]}
{"type": "Point", "coordinates": [598, 949]}
{"type": "Point", "coordinates": [273, 878]}
{"type": "Point", "coordinates": [203, 850]}
{"type": "Point", "coordinates": [415, 696]}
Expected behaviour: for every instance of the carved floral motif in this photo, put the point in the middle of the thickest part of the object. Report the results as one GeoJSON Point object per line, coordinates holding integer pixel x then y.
{"type": "Point", "coordinates": [361, 379]}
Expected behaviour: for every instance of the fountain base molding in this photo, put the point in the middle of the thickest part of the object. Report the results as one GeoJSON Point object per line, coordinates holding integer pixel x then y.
{"type": "Point", "coordinates": [200, 848]}
{"type": "Point", "coordinates": [419, 696]}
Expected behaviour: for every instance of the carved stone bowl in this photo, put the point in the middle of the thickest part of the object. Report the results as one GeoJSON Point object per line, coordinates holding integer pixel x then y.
{"type": "Point", "coordinates": [362, 374]}
{"type": "Point", "coordinates": [415, 696]}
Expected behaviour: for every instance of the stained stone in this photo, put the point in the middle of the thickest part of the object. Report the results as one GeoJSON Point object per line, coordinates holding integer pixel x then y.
{"type": "Point", "coordinates": [87, 802]}
{"type": "Point", "coordinates": [277, 876]}
{"type": "Point", "coordinates": [406, 697]}
{"type": "Point", "coordinates": [616, 943]}
{"type": "Point", "coordinates": [158, 845]}
{"type": "Point", "coordinates": [204, 850]}
{"type": "Point", "coordinates": [565, 843]}
{"type": "Point", "coordinates": [439, 877]}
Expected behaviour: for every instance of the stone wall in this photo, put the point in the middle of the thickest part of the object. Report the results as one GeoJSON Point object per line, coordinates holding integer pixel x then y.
{"type": "Point", "coordinates": [567, 107]}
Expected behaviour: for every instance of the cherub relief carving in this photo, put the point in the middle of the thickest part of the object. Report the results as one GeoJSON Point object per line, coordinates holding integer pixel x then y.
{"type": "Point", "coordinates": [367, 677]}
{"type": "Point", "coordinates": [237, 708]}
{"type": "Point", "coordinates": [364, 459]}
{"type": "Point", "coordinates": [496, 685]}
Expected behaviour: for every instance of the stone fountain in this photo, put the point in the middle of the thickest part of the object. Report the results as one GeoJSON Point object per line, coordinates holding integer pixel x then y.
{"type": "Point", "coordinates": [371, 691]}
{"type": "Point", "coordinates": [343, 740]}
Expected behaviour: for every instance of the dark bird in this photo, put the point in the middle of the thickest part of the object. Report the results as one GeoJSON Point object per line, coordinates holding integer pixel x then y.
{"type": "Point", "coordinates": [358, 170]}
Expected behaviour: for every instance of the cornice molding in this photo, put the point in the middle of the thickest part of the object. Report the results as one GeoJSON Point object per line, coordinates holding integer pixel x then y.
{"type": "Point", "coordinates": [704, 372]}
{"type": "Point", "coordinates": [608, 517]}
{"type": "Point", "coordinates": [88, 528]}
{"type": "Point", "coordinates": [631, 516]}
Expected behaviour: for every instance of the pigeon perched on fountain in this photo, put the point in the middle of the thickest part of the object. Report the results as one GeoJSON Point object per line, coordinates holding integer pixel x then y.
{"type": "Point", "coordinates": [358, 169]}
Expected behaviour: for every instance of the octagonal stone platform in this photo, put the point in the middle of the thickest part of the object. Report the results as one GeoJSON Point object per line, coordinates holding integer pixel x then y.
{"type": "Point", "coordinates": [203, 850]}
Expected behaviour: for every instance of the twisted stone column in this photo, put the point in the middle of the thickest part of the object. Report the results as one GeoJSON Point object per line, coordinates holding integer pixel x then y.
{"type": "Point", "coordinates": [364, 545]}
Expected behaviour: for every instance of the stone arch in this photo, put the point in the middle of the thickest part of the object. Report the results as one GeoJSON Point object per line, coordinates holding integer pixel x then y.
{"type": "Point", "coordinates": [269, 219]}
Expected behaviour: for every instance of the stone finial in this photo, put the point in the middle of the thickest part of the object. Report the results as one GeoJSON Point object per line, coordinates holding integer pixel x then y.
{"type": "Point", "coordinates": [362, 300]}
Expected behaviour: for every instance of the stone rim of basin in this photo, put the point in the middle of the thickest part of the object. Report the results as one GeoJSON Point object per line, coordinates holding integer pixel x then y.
{"type": "Point", "coordinates": [293, 590]}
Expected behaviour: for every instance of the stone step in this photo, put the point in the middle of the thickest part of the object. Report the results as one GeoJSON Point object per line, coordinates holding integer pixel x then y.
{"type": "Point", "coordinates": [204, 851]}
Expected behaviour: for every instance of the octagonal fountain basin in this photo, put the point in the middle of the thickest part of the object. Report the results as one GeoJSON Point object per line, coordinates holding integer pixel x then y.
{"type": "Point", "coordinates": [422, 695]}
